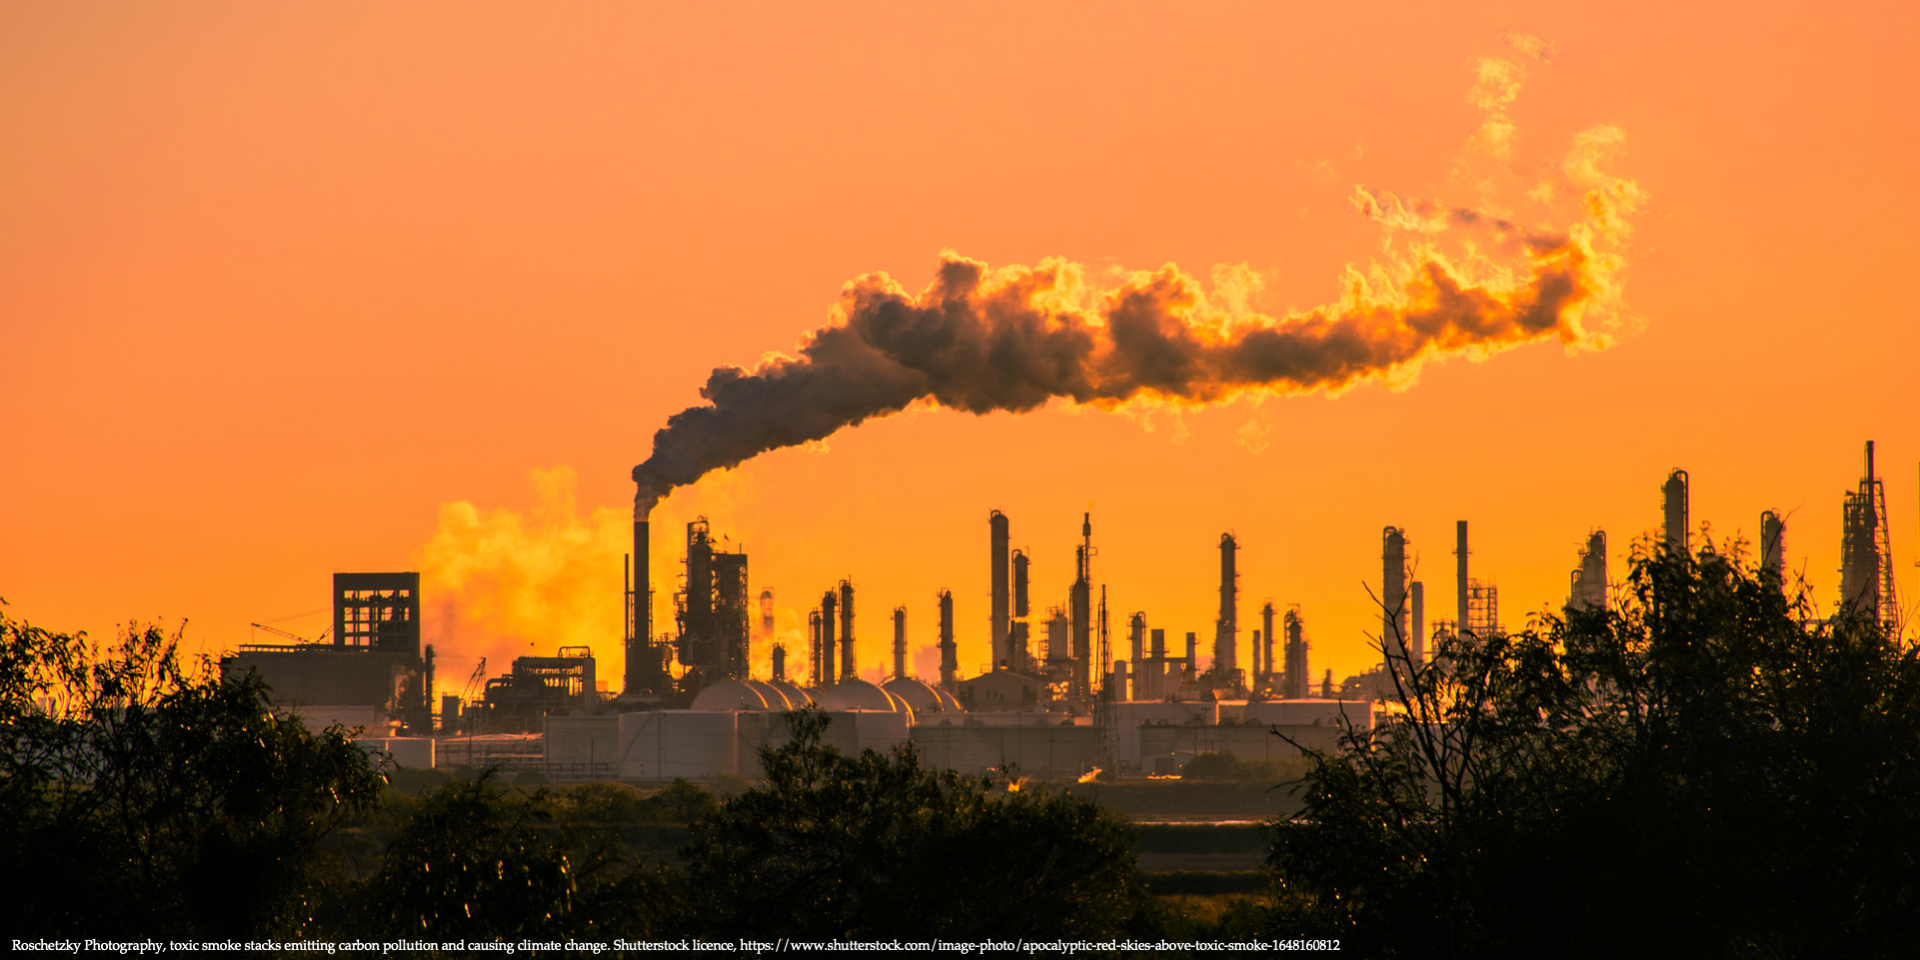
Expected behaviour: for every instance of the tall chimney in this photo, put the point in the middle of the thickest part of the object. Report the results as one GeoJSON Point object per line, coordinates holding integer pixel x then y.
{"type": "Point", "coordinates": [848, 668]}
{"type": "Point", "coordinates": [1393, 597]}
{"type": "Point", "coordinates": [997, 534]}
{"type": "Point", "coordinates": [828, 605]}
{"type": "Point", "coordinates": [814, 647]}
{"type": "Point", "coordinates": [1297, 682]}
{"type": "Point", "coordinates": [899, 641]}
{"type": "Point", "coordinates": [1266, 633]}
{"type": "Point", "coordinates": [949, 655]}
{"type": "Point", "coordinates": [1137, 636]}
{"type": "Point", "coordinates": [1226, 627]}
{"type": "Point", "coordinates": [1773, 546]}
{"type": "Point", "coordinates": [779, 663]}
{"type": "Point", "coordinates": [1674, 495]}
{"type": "Point", "coordinates": [1080, 606]}
{"type": "Point", "coordinates": [642, 661]}
{"type": "Point", "coordinates": [1460, 551]}
{"type": "Point", "coordinates": [1417, 598]}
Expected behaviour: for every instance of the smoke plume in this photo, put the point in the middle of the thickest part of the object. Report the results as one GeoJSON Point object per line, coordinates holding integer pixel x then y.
{"type": "Point", "coordinates": [1013, 339]}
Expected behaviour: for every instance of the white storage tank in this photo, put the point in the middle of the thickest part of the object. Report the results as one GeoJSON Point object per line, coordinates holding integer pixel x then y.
{"type": "Point", "coordinates": [1130, 714]}
{"type": "Point", "coordinates": [664, 744]}
{"type": "Point", "coordinates": [583, 748]}
{"type": "Point", "coordinates": [1308, 713]}
{"type": "Point", "coordinates": [414, 753]}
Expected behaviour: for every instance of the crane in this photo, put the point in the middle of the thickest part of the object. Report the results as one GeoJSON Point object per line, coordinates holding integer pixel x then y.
{"type": "Point", "coordinates": [473, 682]}
{"type": "Point", "coordinates": [322, 638]}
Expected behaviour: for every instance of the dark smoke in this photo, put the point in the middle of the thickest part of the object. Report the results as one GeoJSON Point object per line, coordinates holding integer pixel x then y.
{"type": "Point", "coordinates": [984, 342]}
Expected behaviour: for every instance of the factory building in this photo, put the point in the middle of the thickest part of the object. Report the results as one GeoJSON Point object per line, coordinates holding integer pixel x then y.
{"type": "Point", "coordinates": [374, 672]}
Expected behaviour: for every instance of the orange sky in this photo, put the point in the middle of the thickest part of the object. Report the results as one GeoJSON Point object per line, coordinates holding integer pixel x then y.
{"type": "Point", "coordinates": [283, 286]}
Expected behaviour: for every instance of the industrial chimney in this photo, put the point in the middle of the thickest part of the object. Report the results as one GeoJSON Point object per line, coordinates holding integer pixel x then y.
{"type": "Point", "coordinates": [1266, 632]}
{"type": "Point", "coordinates": [1393, 598]}
{"type": "Point", "coordinates": [1226, 626]}
{"type": "Point", "coordinates": [899, 642]}
{"type": "Point", "coordinates": [1773, 547]}
{"type": "Point", "coordinates": [997, 535]}
{"type": "Point", "coordinates": [1674, 495]}
{"type": "Point", "coordinates": [829, 605]}
{"type": "Point", "coordinates": [1460, 552]}
{"type": "Point", "coordinates": [1297, 682]}
{"type": "Point", "coordinates": [1590, 580]}
{"type": "Point", "coordinates": [847, 666]}
{"type": "Point", "coordinates": [1080, 604]}
{"type": "Point", "coordinates": [1417, 599]}
{"type": "Point", "coordinates": [949, 655]}
{"type": "Point", "coordinates": [643, 663]}
{"type": "Point", "coordinates": [814, 647]}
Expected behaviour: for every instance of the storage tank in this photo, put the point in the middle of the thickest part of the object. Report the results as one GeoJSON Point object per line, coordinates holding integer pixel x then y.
{"type": "Point", "coordinates": [729, 695]}
{"type": "Point", "coordinates": [776, 699]}
{"type": "Point", "coordinates": [916, 694]}
{"type": "Point", "coordinates": [664, 744]}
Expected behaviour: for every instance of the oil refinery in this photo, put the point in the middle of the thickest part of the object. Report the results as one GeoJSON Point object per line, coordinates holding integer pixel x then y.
{"type": "Point", "coordinates": [1063, 697]}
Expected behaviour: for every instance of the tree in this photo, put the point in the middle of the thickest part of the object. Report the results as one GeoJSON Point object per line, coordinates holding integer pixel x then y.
{"type": "Point", "coordinates": [143, 797]}
{"type": "Point", "coordinates": [1704, 770]}
{"type": "Point", "coordinates": [877, 846]}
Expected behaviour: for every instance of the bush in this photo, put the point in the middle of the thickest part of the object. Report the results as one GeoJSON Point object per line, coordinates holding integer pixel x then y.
{"type": "Point", "coordinates": [476, 861]}
{"type": "Point", "coordinates": [877, 847]}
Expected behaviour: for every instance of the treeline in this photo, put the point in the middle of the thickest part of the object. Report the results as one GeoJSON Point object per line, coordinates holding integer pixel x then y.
{"type": "Point", "coordinates": [1704, 769]}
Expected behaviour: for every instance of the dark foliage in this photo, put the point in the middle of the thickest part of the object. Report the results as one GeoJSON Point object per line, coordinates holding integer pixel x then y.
{"type": "Point", "coordinates": [1702, 771]}
{"type": "Point", "coordinates": [475, 861]}
{"type": "Point", "coordinates": [139, 798]}
{"type": "Point", "coordinates": [877, 846]}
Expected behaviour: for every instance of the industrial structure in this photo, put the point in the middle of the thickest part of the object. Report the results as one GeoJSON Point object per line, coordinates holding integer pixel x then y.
{"type": "Point", "coordinates": [1866, 551]}
{"type": "Point", "coordinates": [1059, 704]}
{"type": "Point", "coordinates": [1588, 590]}
{"type": "Point", "coordinates": [374, 667]}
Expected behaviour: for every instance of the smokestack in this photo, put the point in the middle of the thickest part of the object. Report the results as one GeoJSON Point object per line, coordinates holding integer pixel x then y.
{"type": "Point", "coordinates": [1137, 636]}
{"type": "Point", "coordinates": [1773, 547]}
{"type": "Point", "coordinates": [1417, 598]}
{"type": "Point", "coordinates": [847, 666]}
{"type": "Point", "coordinates": [997, 535]}
{"type": "Point", "coordinates": [899, 641]}
{"type": "Point", "coordinates": [1159, 643]}
{"type": "Point", "coordinates": [814, 647]}
{"type": "Point", "coordinates": [1226, 627]}
{"type": "Point", "coordinates": [949, 655]}
{"type": "Point", "coordinates": [1460, 551]}
{"type": "Point", "coordinates": [1393, 598]}
{"type": "Point", "coordinates": [1266, 632]}
{"type": "Point", "coordinates": [1020, 608]}
{"type": "Point", "coordinates": [1590, 580]}
{"type": "Point", "coordinates": [1674, 495]}
{"type": "Point", "coordinates": [829, 604]}
{"type": "Point", "coordinates": [1081, 603]}
{"type": "Point", "coordinates": [779, 663]}
{"type": "Point", "coordinates": [1193, 651]}
{"type": "Point", "coordinates": [1297, 681]}
{"type": "Point", "coordinates": [643, 664]}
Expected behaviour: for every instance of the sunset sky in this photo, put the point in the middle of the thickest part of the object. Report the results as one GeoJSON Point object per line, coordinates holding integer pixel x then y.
{"type": "Point", "coordinates": [290, 289]}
